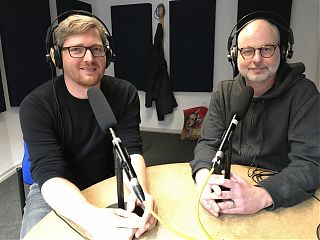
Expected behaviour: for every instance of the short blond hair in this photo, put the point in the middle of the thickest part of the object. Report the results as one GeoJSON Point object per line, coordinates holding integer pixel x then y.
{"type": "Point", "coordinates": [78, 24]}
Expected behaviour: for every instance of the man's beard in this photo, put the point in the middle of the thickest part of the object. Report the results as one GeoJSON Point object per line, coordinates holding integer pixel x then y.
{"type": "Point", "coordinates": [268, 73]}
{"type": "Point", "coordinates": [88, 83]}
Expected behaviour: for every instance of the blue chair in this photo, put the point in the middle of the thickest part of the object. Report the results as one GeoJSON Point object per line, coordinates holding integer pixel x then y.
{"type": "Point", "coordinates": [24, 177]}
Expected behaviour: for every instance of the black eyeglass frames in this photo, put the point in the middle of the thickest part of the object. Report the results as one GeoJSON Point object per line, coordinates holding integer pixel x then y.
{"type": "Point", "coordinates": [80, 51]}
{"type": "Point", "coordinates": [266, 51]}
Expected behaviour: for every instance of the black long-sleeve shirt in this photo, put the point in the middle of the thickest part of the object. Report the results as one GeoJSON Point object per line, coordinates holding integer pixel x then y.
{"type": "Point", "coordinates": [65, 140]}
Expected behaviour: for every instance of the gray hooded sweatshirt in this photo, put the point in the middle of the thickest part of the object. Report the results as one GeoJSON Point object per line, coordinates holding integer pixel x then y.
{"type": "Point", "coordinates": [280, 132]}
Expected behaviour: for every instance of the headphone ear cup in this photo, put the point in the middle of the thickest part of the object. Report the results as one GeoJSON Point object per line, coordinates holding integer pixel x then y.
{"type": "Point", "coordinates": [283, 52]}
{"type": "Point", "coordinates": [289, 54]}
{"type": "Point", "coordinates": [234, 54]}
{"type": "Point", "coordinates": [229, 56]}
{"type": "Point", "coordinates": [231, 53]}
{"type": "Point", "coordinates": [108, 56]}
{"type": "Point", "coordinates": [57, 57]}
{"type": "Point", "coordinates": [289, 51]}
{"type": "Point", "coordinates": [51, 56]}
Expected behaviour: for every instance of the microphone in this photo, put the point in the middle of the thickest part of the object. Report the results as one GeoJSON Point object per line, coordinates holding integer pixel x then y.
{"type": "Point", "coordinates": [239, 111]}
{"type": "Point", "coordinates": [107, 121]}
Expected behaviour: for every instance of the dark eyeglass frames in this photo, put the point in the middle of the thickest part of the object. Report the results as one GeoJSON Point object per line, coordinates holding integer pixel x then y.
{"type": "Point", "coordinates": [266, 51]}
{"type": "Point", "coordinates": [80, 51]}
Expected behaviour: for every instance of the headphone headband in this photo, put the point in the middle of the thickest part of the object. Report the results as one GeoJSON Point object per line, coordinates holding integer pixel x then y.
{"type": "Point", "coordinates": [267, 15]}
{"type": "Point", "coordinates": [53, 50]}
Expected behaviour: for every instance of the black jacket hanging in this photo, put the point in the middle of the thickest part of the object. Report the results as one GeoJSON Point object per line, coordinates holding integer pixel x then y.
{"type": "Point", "coordinates": [158, 85]}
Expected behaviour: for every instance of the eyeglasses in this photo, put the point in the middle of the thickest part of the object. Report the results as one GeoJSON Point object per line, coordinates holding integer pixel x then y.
{"type": "Point", "coordinates": [266, 51]}
{"type": "Point", "coordinates": [80, 51]}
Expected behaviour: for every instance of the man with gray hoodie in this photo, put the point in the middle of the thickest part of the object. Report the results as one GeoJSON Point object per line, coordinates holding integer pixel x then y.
{"type": "Point", "coordinates": [280, 132]}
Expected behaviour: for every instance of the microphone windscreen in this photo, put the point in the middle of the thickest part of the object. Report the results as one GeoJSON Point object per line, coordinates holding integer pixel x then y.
{"type": "Point", "coordinates": [101, 109]}
{"type": "Point", "coordinates": [243, 102]}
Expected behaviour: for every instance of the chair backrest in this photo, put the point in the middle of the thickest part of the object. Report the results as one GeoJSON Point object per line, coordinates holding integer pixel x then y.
{"type": "Point", "coordinates": [24, 176]}
{"type": "Point", "coordinates": [26, 167]}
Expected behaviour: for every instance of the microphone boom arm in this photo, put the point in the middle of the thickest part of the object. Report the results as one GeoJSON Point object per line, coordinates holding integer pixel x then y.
{"type": "Point", "coordinates": [225, 139]}
{"type": "Point", "coordinates": [125, 161]}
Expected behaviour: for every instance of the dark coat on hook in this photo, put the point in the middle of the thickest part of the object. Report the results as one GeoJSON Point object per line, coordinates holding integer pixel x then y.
{"type": "Point", "coordinates": [158, 84]}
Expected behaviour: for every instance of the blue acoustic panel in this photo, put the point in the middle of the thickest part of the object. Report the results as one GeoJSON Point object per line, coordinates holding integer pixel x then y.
{"type": "Point", "coordinates": [192, 27]}
{"type": "Point", "coordinates": [132, 41]}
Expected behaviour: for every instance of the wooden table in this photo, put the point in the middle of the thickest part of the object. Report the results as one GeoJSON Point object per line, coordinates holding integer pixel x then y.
{"type": "Point", "coordinates": [175, 193]}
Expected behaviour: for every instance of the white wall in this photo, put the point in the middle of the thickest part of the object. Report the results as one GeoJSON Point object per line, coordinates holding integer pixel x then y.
{"type": "Point", "coordinates": [306, 29]}
{"type": "Point", "coordinates": [11, 144]}
{"type": "Point", "coordinates": [304, 13]}
{"type": "Point", "coordinates": [222, 70]}
{"type": "Point", "coordinates": [305, 26]}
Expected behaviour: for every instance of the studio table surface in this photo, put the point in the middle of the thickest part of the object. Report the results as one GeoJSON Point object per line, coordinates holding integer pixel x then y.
{"type": "Point", "coordinates": [175, 193]}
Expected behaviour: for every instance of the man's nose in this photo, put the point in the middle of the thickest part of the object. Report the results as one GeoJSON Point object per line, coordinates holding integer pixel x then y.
{"type": "Point", "coordinates": [88, 55]}
{"type": "Point", "coordinates": [257, 57]}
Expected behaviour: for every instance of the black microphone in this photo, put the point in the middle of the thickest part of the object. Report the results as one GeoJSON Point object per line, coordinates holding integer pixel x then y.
{"type": "Point", "coordinates": [239, 111]}
{"type": "Point", "coordinates": [107, 121]}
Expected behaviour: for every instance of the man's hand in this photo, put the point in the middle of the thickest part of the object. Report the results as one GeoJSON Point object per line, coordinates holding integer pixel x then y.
{"type": "Point", "coordinates": [148, 220]}
{"type": "Point", "coordinates": [242, 198]}
{"type": "Point", "coordinates": [206, 199]}
{"type": "Point", "coordinates": [113, 223]}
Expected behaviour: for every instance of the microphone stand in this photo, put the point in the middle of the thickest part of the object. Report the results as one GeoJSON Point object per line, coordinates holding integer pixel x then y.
{"type": "Point", "coordinates": [227, 164]}
{"type": "Point", "coordinates": [226, 159]}
{"type": "Point", "coordinates": [119, 177]}
{"type": "Point", "coordinates": [118, 163]}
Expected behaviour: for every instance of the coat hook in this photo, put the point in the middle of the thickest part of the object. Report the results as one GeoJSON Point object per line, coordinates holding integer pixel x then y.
{"type": "Point", "coordinates": [159, 13]}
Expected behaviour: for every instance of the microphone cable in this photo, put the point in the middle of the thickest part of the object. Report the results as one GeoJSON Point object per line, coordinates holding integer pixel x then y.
{"type": "Point", "coordinates": [182, 235]}
{"type": "Point", "coordinates": [55, 94]}
{"type": "Point", "coordinates": [70, 225]}
{"type": "Point", "coordinates": [258, 174]}
{"type": "Point", "coordinates": [156, 216]}
{"type": "Point", "coordinates": [198, 203]}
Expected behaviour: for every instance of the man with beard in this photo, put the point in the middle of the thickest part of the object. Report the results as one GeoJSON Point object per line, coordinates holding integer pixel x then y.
{"type": "Point", "coordinates": [279, 133]}
{"type": "Point", "coordinates": [68, 150]}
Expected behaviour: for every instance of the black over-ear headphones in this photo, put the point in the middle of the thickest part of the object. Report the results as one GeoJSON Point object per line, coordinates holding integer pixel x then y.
{"type": "Point", "coordinates": [285, 48]}
{"type": "Point", "coordinates": [54, 51]}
